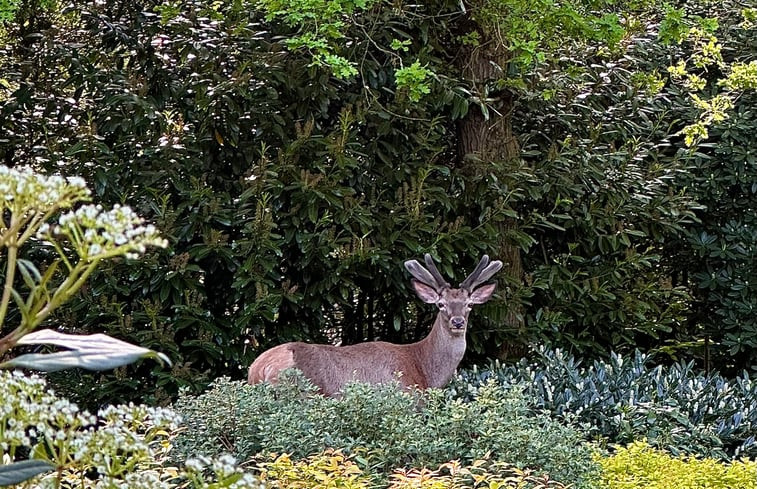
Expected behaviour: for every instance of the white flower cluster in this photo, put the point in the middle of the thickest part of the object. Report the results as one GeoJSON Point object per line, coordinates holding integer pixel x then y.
{"type": "Point", "coordinates": [140, 417]}
{"type": "Point", "coordinates": [29, 412]}
{"type": "Point", "coordinates": [94, 232]}
{"type": "Point", "coordinates": [110, 450]}
{"type": "Point", "coordinates": [143, 479]}
{"type": "Point", "coordinates": [225, 470]}
{"type": "Point", "coordinates": [22, 190]}
{"type": "Point", "coordinates": [128, 435]}
{"type": "Point", "coordinates": [99, 233]}
{"type": "Point", "coordinates": [122, 447]}
{"type": "Point", "coordinates": [23, 398]}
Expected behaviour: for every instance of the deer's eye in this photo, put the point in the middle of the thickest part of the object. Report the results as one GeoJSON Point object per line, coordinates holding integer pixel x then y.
{"type": "Point", "coordinates": [440, 305]}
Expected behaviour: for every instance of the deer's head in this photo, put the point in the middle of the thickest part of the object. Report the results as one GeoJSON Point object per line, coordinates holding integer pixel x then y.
{"type": "Point", "coordinates": [454, 304]}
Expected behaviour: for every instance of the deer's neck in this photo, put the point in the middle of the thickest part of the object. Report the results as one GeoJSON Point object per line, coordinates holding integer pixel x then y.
{"type": "Point", "coordinates": [440, 354]}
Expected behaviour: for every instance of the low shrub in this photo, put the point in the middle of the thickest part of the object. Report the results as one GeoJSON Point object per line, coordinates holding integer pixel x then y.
{"type": "Point", "coordinates": [480, 474]}
{"type": "Point", "coordinates": [640, 466]}
{"type": "Point", "coordinates": [388, 427]}
{"type": "Point", "coordinates": [626, 399]}
{"type": "Point", "coordinates": [328, 470]}
{"type": "Point", "coordinates": [332, 470]}
{"type": "Point", "coordinates": [120, 446]}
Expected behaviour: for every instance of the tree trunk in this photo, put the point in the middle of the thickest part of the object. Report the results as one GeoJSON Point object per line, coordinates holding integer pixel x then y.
{"type": "Point", "coordinates": [484, 138]}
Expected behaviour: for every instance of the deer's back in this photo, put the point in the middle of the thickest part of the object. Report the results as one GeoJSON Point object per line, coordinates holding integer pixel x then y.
{"type": "Point", "coordinates": [331, 367]}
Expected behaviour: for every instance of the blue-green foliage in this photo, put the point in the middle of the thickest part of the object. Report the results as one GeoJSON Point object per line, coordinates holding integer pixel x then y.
{"type": "Point", "coordinates": [628, 398]}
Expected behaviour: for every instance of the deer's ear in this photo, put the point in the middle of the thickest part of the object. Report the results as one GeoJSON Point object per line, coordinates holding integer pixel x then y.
{"type": "Point", "coordinates": [482, 294]}
{"type": "Point", "coordinates": [425, 292]}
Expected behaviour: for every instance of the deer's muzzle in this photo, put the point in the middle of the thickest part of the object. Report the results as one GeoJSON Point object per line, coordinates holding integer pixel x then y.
{"type": "Point", "coordinates": [457, 322]}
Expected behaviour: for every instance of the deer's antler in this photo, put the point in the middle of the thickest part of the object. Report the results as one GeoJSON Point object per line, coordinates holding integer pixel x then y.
{"type": "Point", "coordinates": [483, 272]}
{"type": "Point", "coordinates": [429, 276]}
{"type": "Point", "coordinates": [435, 272]}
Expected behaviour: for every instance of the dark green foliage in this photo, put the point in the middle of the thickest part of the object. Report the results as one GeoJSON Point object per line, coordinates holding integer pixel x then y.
{"type": "Point", "coordinates": [658, 241]}
{"type": "Point", "coordinates": [715, 256]}
{"type": "Point", "coordinates": [627, 398]}
{"type": "Point", "coordinates": [386, 427]}
{"type": "Point", "coordinates": [598, 197]}
{"type": "Point", "coordinates": [291, 197]}
{"type": "Point", "coordinates": [719, 256]}
{"type": "Point", "coordinates": [289, 203]}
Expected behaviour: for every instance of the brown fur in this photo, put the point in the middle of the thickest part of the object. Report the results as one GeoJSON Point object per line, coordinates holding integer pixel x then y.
{"type": "Point", "coordinates": [430, 362]}
{"type": "Point", "coordinates": [331, 367]}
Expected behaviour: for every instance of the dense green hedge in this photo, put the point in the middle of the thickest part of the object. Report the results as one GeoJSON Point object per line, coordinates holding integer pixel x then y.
{"type": "Point", "coordinates": [603, 142]}
{"type": "Point", "coordinates": [533, 414]}
{"type": "Point", "coordinates": [372, 437]}
{"type": "Point", "coordinates": [289, 201]}
{"type": "Point", "coordinates": [290, 197]}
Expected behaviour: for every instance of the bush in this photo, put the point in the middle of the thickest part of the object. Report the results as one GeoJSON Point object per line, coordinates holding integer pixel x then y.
{"type": "Point", "coordinates": [481, 473]}
{"type": "Point", "coordinates": [639, 465]}
{"type": "Point", "coordinates": [121, 446]}
{"type": "Point", "coordinates": [288, 196]}
{"type": "Point", "coordinates": [278, 187]}
{"type": "Point", "coordinates": [626, 399]}
{"type": "Point", "coordinates": [332, 469]}
{"type": "Point", "coordinates": [328, 470]}
{"type": "Point", "coordinates": [387, 427]}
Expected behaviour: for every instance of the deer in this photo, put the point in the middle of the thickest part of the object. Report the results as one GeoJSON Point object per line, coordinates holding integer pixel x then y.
{"type": "Point", "coordinates": [428, 363]}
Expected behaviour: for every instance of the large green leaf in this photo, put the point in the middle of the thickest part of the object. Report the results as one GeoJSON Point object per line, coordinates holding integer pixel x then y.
{"type": "Point", "coordinates": [20, 471]}
{"type": "Point", "coordinates": [91, 352]}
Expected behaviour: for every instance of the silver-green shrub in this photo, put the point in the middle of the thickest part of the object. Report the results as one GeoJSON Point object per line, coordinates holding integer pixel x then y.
{"type": "Point", "coordinates": [384, 426]}
{"type": "Point", "coordinates": [628, 398]}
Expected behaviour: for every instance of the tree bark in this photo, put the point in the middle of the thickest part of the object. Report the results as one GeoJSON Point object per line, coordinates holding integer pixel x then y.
{"type": "Point", "coordinates": [484, 138]}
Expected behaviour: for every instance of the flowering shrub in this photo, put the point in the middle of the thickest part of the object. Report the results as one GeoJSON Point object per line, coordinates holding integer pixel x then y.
{"type": "Point", "coordinates": [119, 447]}
{"type": "Point", "coordinates": [96, 234]}
{"type": "Point", "coordinates": [61, 437]}
{"type": "Point", "coordinates": [80, 240]}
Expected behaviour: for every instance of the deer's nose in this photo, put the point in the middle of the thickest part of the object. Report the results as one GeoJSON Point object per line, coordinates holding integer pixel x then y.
{"type": "Point", "coordinates": [457, 322]}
